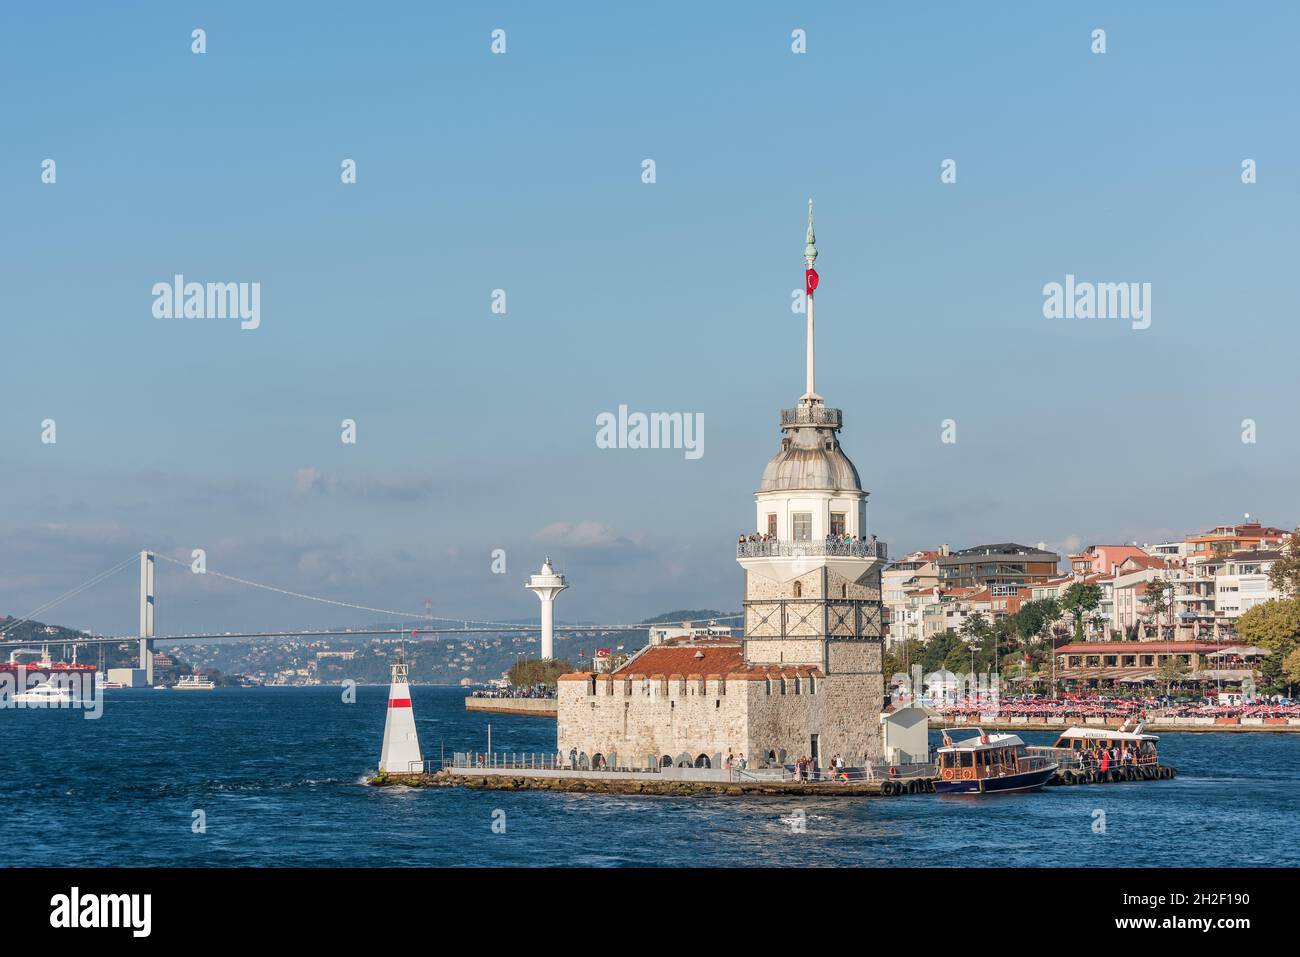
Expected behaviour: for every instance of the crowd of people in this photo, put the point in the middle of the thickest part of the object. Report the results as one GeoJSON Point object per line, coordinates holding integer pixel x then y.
{"type": "Point", "coordinates": [533, 691]}
{"type": "Point", "coordinates": [1123, 754]}
{"type": "Point", "coordinates": [832, 539]}
{"type": "Point", "coordinates": [1072, 707]}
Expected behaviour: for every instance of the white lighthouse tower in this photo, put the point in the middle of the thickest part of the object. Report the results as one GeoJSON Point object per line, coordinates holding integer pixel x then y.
{"type": "Point", "coordinates": [401, 753]}
{"type": "Point", "coordinates": [546, 584]}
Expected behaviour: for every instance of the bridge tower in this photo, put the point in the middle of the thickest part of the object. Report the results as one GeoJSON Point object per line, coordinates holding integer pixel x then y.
{"type": "Point", "coordinates": [546, 584]}
{"type": "Point", "coordinates": [146, 615]}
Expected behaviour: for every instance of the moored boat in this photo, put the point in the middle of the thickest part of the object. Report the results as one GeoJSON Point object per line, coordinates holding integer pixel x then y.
{"type": "Point", "coordinates": [1105, 748]}
{"type": "Point", "coordinates": [990, 764]}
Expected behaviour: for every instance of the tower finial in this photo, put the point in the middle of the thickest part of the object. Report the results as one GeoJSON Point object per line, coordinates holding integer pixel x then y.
{"type": "Point", "coordinates": [810, 250]}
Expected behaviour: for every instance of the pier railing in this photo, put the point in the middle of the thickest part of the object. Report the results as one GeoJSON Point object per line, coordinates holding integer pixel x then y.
{"type": "Point", "coordinates": [528, 761]}
{"type": "Point", "coordinates": [812, 415]}
{"type": "Point", "coordinates": [819, 549]}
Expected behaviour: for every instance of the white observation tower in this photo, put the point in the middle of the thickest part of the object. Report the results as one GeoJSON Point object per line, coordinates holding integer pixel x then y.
{"type": "Point", "coordinates": [546, 584]}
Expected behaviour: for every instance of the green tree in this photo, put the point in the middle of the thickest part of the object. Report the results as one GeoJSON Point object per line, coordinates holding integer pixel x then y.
{"type": "Point", "coordinates": [1077, 601]}
{"type": "Point", "coordinates": [1035, 618]}
{"type": "Point", "coordinates": [1171, 669]}
{"type": "Point", "coordinates": [527, 672]}
{"type": "Point", "coordinates": [1274, 625]}
{"type": "Point", "coordinates": [1291, 669]}
{"type": "Point", "coordinates": [1285, 573]}
{"type": "Point", "coordinates": [944, 650]}
{"type": "Point", "coordinates": [1157, 600]}
{"type": "Point", "coordinates": [902, 655]}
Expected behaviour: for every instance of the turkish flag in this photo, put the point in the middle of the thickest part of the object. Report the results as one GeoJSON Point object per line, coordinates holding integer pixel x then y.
{"type": "Point", "coordinates": [810, 278]}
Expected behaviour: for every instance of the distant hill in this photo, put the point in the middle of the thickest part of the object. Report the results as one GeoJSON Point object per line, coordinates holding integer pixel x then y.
{"type": "Point", "coordinates": [444, 659]}
{"type": "Point", "coordinates": [699, 615]}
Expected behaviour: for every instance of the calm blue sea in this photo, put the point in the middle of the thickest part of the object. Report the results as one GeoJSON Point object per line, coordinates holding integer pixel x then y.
{"type": "Point", "coordinates": [278, 775]}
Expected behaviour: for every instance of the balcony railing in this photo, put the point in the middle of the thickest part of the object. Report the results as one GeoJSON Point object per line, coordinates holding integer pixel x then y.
{"type": "Point", "coordinates": [823, 549]}
{"type": "Point", "coordinates": [812, 415]}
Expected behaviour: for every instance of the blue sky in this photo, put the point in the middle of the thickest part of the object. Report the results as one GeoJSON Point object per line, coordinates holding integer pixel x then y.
{"type": "Point", "coordinates": [522, 172]}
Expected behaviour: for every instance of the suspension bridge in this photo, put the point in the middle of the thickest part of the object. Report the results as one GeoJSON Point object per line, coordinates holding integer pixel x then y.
{"type": "Point", "coordinates": [146, 637]}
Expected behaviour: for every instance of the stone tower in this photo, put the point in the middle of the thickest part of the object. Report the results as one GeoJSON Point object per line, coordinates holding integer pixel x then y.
{"type": "Point", "coordinates": [812, 581]}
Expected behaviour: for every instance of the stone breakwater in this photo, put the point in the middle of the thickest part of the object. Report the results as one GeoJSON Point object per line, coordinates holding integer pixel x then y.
{"type": "Point", "coordinates": [650, 785]}
{"type": "Point", "coordinates": [627, 785]}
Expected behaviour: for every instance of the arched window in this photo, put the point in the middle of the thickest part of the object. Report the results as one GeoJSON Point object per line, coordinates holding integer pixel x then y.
{"type": "Point", "coordinates": [702, 761]}
{"type": "Point", "coordinates": [798, 589]}
{"type": "Point", "coordinates": [666, 762]}
{"type": "Point", "coordinates": [844, 591]}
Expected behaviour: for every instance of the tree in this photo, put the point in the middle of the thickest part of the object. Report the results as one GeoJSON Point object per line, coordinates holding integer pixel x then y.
{"type": "Point", "coordinates": [1285, 573]}
{"type": "Point", "coordinates": [901, 655]}
{"type": "Point", "coordinates": [1171, 669]}
{"type": "Point", "coordinates": [527, 672]}
{"type": "Point", "coordinates": [1079, 599]}
{"type": "Point", "coordinates": [1156, 599]}
{"type": "Point", "coordinates": [1035, 618]}
{"type": "Point", "coordinates": [1291, 669]}
{"type": "Point", "coordinates": [974, 628]}
{"type": "Point", "coordinates": [1274, 625]}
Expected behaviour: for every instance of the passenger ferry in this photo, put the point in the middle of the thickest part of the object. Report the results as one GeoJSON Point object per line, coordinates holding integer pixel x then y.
{"type": "Point", "coordinates": [194, 683]}
{"type": "Point", "coordinates": [990, 764]}
{"type": "Point", "coordinates": [1078, 746]}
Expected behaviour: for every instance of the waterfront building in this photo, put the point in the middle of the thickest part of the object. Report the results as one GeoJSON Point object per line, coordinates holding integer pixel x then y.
{"type": "Point", "coordinates": [1004, 564]}
{"type": "Point", "coordinates": [1116, 664]}
{"type": "Point", "coordinates": [805, 676]}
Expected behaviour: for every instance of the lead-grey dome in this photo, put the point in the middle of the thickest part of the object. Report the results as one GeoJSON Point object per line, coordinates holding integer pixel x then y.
{"type": "Point", "coordinates": [810, 457]}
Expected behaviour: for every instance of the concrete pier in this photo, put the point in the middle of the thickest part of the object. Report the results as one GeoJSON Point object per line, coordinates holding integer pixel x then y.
{"type": "Point", "coordinates": [530, 707]}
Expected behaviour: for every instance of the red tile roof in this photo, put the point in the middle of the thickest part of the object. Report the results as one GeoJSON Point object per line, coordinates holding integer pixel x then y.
{"type": "Point", "coordinates": [715, 659]}
{"type": "Point", "coordinates": [1131, 647]}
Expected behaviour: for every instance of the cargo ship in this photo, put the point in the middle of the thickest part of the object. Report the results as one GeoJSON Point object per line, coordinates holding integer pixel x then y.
{"type": "Point", "coordinates": [30, 673]}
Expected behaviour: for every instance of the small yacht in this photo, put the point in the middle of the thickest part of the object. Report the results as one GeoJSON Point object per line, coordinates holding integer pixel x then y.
{"type": "Point", "coordinates": [44, 694]}
{"type": "Point", "coordinates": [989, 764]}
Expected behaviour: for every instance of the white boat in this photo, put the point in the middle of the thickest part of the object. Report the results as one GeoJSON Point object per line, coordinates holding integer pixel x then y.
{"type": "Point", "coordinates": [195, 683]}
{"type": "Point", "coordinates": [44, 694]}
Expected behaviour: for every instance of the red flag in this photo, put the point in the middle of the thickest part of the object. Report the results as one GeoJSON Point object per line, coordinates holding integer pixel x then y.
{"type": "Point", "coordinates": [810, 278]}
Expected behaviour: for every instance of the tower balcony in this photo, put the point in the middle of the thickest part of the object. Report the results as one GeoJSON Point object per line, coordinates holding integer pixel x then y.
{"type": "Point", "coordinates": [812, 415]}
{"type": "Point", "coordinates": [824, 549]}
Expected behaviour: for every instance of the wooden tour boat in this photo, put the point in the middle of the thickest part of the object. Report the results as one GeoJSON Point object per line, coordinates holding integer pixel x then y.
{"type": "Point", "coordinates": [990, 764]}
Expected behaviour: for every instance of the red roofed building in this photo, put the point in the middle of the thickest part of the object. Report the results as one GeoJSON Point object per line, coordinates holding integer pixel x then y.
{"type": "Point", "coordinates": [1119, 663]}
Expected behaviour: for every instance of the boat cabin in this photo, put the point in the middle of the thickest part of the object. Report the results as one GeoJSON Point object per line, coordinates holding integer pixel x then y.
{"type": "Point", "coordinates": [1127, 747]}
{"type": "Point", "coordinates": [984, 756]}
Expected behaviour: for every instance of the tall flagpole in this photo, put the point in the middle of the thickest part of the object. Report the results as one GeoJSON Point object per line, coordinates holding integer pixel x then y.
{"type": "Point", "coordinates": [810, 257]}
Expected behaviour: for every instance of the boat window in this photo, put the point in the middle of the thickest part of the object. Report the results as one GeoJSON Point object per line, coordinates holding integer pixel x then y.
{"type": "Point", "coordinates": [966, 761]}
